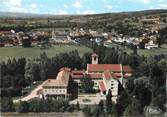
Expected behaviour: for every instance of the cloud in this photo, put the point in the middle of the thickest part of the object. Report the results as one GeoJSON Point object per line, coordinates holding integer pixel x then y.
{"type": "Point", "coordinates": [13, 5]}
{"type": "Point", "coordinates": [60, 11]}
{"type": "Point", "coordinates": [104, 0]}
{"type": "Point", "coordinates": [109, 6]}
{"type": "Point", "coordinates": [77, 4]}
{"type": "Point", "coordinates": [17, 9]}
{"type": "Point", "coordinates": [8, 3]}
{"type": "Point", "coordinates": [89, 12]}
{"type": "Point", "coordinates": [65, 6]}
{"type": "Point", "coordinates": [41, 5]}
{"type": "Point", "coordinates": [33, 6]}
{"type": "Point", "coordinates": [142, 1]}
{"type": "Point", "coordinates": [164, 6]}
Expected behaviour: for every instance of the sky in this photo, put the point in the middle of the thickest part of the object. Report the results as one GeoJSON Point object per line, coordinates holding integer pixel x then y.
{"type": "Point", "coordinates": [63, 7]}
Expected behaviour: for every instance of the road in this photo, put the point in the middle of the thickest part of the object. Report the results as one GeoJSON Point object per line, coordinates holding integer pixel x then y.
{"type": "Point", "coordinates": [33, 94]}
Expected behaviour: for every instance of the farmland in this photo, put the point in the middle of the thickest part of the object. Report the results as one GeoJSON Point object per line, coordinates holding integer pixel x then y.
{"type": "Point", "coordinates": [148, 53]}
{"type": "Point", "coordinates": [34, 52]}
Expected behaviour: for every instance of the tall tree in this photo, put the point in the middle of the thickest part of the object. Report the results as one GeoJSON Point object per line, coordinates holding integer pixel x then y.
{"type": "Point", "coordinates": [109, 102]}
{"type": "Point", "coordinates": [87, 84]}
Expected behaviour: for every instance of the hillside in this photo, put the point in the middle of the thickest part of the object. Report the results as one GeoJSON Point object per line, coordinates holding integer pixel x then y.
{"type": "Point", "coordinates": [123, 22]}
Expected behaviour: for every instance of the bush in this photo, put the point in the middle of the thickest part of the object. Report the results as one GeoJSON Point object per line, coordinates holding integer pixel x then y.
{"type": "Point", "coordinates": [6, 104]}
{"type": "Point", "coordinates": [22, 107]}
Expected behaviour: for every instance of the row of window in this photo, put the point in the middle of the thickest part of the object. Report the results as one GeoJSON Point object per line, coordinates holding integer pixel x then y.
{"type": "Point", "coordinates": [58, 91]}
{"type": "Point", "coordinates": [54, 87]}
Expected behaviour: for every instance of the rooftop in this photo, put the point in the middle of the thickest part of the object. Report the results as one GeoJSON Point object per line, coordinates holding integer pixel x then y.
{"type": "Point", "coordinates": [61, 80]}
{"type": "Point", "coordinates": [102, 86]}
{"type": "Point", "coordinates": [103, 67]}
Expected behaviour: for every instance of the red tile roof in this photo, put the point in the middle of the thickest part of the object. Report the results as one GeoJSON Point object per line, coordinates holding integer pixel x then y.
{"type": "Point", "coordinates": [102, 86]}
{"type": "Point", "coordinates": [95, 75]}
{"type": "Point", "coordinates": [77, 74]}
{"type": "Point", "coordinates": [62, 79]}
{"type": "Point", "coordinates": [127, 69]}
{"type": "Point", "coordinates": [80, 74]}
{"type": "Point", "coordinates": [65, 68]}
{"type": "Point", "coordinates": [107, 74]}
{"type": "Point", "coordinates": [103, 67]}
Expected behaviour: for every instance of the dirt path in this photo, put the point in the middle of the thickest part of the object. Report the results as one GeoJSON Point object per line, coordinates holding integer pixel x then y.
{"type": "Point", "coordinates": [33, 94]}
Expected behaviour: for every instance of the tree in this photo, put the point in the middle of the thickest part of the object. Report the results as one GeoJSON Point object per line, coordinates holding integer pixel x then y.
{"type": "Point", "coordinates": [87, 111]}
{"type": "Point", "coordinates": [22, 107]}
{"type": "Point", "coordinates": [134, 49]}
{"type": "Point", "coordinates": [32, 72]}
{"type": "Point", "coordinates": [86, 59]}
{"type": "Point", "coordinates": [72, 88]}
{"type": "Point", "coordinates": [101, 106]}
{"type": "Point", "coordinates": [133, 109]}
{"type": "Point", "coordinates": [26, 42]}
{"type": "Point", "coordinates": [77, 106]}
{"type": "Point", "coordinates": [162, 36]}
{"type": "Point", "coordinates": [87, 84]}
{"type": "Point", "coordinates": [7, 104]}
{"type": "Point", "coordinates": [122, 102]}
{"type": "Point", "coordinates": [109, 102]}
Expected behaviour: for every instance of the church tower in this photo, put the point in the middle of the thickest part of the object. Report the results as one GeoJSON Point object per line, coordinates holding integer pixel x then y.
{"type": "Point", "coordinates": [94, 58]}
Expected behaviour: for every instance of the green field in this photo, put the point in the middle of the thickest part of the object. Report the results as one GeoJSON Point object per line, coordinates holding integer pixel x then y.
{"type": "Point", "coordinates": [148, 53]}
{"type": "Point", "coordinates": [151, 52]}
{"type": "Point", "coordinates": [33, 52]}
{"type": "Point", "coordinates": [145, 52]}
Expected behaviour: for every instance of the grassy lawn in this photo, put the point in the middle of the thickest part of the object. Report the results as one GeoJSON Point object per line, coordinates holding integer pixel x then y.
{"type": "Point", "coordinates": [33, 52]}
{"type": "Point", "coordinates": [152, 52]}
{"type": "Point", "coordinates": [145, 52]}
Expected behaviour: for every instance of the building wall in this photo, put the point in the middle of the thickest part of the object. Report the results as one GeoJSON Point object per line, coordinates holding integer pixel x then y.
{"type": "Point", "coordinates": [113, 85]}
{"type": "Point", "coordinates": [55, 91]}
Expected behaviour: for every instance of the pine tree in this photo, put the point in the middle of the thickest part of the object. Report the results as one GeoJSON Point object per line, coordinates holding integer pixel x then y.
{"type": "Point", "coordinates": [109, 102]}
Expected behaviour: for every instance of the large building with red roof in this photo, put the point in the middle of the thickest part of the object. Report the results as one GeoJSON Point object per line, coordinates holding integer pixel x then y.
{"type": "Point", "coordinates": [104, 76]}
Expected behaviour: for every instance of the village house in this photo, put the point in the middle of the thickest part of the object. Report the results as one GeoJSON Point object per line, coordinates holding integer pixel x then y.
{"type": "Point", "coordinates": [60, 37]}
{"type": "Point", "coordinates": [104, 76]}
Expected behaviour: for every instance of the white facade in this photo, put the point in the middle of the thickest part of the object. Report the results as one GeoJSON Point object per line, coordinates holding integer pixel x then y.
{"type": "Point", "coordinates": [111, 84]}
{"type": "Point", "coordinates": [54, 91]}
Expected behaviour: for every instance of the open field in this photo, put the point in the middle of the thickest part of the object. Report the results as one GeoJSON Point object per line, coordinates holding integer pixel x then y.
{"type": "Point", "coordinates": [152, 52]}
{"type": "Point", "coordinates": [145, 52]}
{"type": "Point", "coordinates": [50, 114]}
{"type": "Point", "coordinates": [33, 52]}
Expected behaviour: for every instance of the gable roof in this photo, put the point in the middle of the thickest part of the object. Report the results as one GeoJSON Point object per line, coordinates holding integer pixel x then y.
{"type": "Point", "coordinates": [102, 86]}
{"type": "Point", "coordinates": [80, 74]}
{"type": "Point", "coordinates": [95, 75]}
{"type": "Point", "coordinates": [61, 80]}
{"type": "Point", "coordinates": [127, 69]}
{"type": "Point", "coordinates": [108, 75]}
{"type": "Point", "coordinates": [103, 67]}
